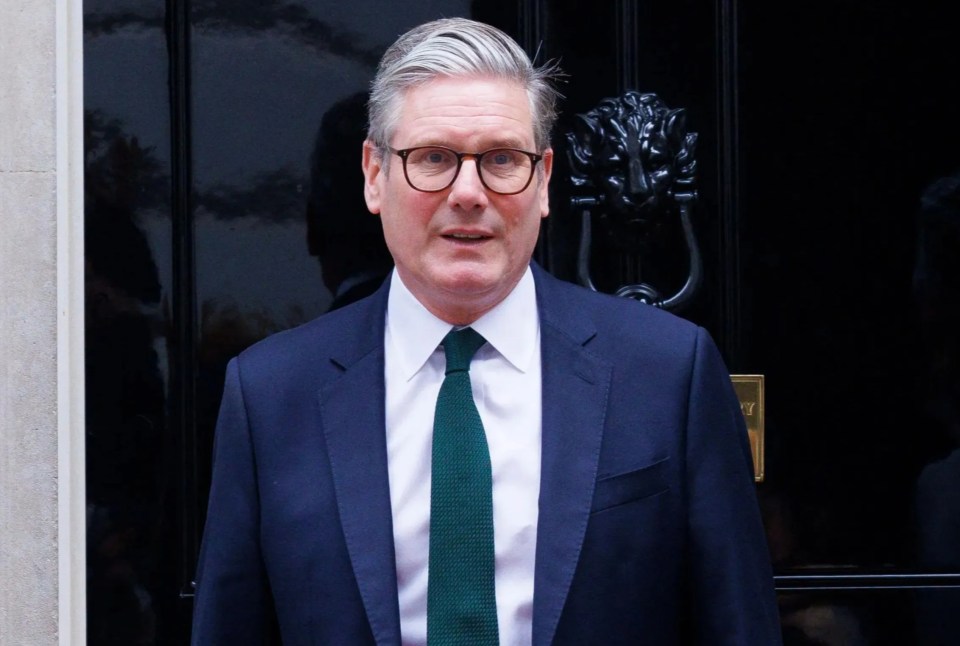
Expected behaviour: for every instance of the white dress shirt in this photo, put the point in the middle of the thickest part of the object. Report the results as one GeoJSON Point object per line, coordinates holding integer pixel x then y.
{"type": "Point", "coordinates": [505, 375]}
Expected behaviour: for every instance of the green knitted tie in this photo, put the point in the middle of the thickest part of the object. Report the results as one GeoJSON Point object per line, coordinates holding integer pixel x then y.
{"type": "Point", "coordinates": [461, 604]}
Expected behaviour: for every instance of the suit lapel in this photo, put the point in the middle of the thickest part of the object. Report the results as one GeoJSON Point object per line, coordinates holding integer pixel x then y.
{"type": "Point", "coordinates": [575, 390]}
{"type": "Point", "coordinates": [352, 413]}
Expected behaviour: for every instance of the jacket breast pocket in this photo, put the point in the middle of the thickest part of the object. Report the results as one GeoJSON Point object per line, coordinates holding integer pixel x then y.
{"type": "Point", "coordinates": [617, 490]}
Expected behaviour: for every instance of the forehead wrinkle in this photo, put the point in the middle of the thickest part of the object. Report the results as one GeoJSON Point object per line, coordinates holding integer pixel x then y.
{"type": "Point", "coordinates": [490, 129]}
{"type": "Point", "coordinates": [454, 135]}
{"type": "Point", "coordinates": [483, 112]}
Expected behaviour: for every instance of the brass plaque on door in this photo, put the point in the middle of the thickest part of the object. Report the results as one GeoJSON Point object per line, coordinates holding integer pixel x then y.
{"type": "Point", "coordinates": [749, 389]}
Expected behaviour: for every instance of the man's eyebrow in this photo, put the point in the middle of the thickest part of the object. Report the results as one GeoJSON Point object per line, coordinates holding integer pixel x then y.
{"type": "Point", "coordinates": [509, 142]}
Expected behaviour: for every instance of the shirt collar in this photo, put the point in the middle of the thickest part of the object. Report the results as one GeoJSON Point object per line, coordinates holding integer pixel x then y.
{"type": "Point", "coordinates": [512, 327]}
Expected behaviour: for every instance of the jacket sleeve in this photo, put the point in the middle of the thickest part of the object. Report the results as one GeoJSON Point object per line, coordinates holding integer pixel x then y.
{"type": "Point", "coordinates": [232, 596]}
{"type": "Point", "coordinates": [731, 580]}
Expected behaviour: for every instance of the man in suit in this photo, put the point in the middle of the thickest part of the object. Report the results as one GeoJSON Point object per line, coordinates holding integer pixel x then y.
{"type": "Point", "coordinates": [619, 505]}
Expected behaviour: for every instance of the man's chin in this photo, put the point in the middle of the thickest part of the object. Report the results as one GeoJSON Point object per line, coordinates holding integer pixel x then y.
{"type": "Point", "coordinates": [472, 292]}
{"type": "Point", "coordinates": [472, 280]}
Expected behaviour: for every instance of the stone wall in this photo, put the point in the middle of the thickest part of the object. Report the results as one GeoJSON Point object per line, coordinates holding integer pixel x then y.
{"type": "Point", "coordinates": [34, 203]}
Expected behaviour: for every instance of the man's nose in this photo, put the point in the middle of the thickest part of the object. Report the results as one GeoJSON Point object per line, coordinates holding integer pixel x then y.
{"type": "Point", "coordinates": [467, 191]}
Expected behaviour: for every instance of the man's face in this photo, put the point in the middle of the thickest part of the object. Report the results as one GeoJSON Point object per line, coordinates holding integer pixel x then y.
{"type": "Point", "coordinates": [459, 279]}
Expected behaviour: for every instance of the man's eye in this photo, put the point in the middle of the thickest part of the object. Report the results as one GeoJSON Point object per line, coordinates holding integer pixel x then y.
{"type": "Point", "coordinates": [502, 157]}
{"type": "Point", "coordinates": [434, 157]}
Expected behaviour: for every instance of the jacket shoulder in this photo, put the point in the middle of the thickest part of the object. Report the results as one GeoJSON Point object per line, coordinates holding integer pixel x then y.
{"type": "Point", "coordinates": [621, 324]}
{"type": "Point", "coordinates": [313, 347]}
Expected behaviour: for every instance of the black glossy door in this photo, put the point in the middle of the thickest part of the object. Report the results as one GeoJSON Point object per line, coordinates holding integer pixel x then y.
{"type": "Point", "coordinates": [850, 241]}
{"type": "Point", "coordinates": [224, 203]}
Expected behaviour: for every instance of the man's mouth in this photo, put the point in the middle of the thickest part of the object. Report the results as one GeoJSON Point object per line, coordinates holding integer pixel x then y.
{"type": "Point", "coordinates": [465, 237]}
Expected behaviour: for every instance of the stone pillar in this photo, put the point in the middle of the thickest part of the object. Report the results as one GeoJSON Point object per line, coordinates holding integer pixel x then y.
{"type": "Point", "coordinates": [41, 324]}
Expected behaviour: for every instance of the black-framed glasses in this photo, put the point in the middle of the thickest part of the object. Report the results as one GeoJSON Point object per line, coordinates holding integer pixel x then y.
{"type": "Point", "coordinates": [430, 169]}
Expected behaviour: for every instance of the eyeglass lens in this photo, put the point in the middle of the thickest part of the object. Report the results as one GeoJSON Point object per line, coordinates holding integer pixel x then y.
{"type": "Point", "coordinates": [503, 170]}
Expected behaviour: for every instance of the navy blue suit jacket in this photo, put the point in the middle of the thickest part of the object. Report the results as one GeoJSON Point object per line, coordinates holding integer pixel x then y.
{"type": "Point", "coordinates": [649, 531]}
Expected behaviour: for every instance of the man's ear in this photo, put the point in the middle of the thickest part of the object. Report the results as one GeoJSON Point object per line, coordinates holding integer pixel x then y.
{"type": "Point", "coordinates": [544, 185]}
{"type": "Point", "coordinates": [372, 170]}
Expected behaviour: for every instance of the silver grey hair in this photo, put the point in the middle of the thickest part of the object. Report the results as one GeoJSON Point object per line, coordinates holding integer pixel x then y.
{"type": "Point", "coordinates": [457, 47]}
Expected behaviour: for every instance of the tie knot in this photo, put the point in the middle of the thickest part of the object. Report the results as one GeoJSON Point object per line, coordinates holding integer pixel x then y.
{"type": "Point", "coordinates": [459, 346]}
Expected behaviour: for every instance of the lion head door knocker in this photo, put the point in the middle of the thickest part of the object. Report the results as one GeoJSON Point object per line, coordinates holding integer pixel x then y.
{"type": "Point", "coordinates": [633, 171]}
